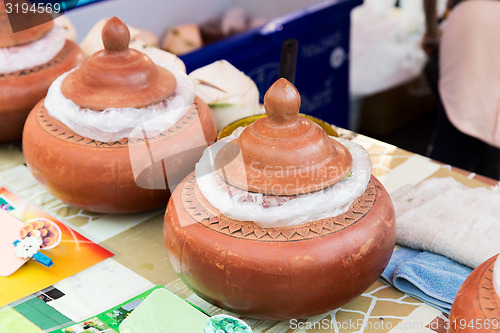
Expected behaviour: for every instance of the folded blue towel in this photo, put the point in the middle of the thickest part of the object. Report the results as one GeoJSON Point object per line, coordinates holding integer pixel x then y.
{"type": "Point", "coordinates": [429, 277]}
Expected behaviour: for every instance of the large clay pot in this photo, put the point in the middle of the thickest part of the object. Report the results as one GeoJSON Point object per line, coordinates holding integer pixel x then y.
{"type": "Point", "coordinates": [21, 90]}
{"type": "Point", "coordinates": [476, 307]}
{"type": "Point", "coordinates": [284, 272]}
{"type": "Point", "coordinates": [99, 176]}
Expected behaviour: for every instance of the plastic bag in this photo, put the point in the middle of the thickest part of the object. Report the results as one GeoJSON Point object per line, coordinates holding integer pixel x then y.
{"type": "Point", "coordinates": [385, 45]}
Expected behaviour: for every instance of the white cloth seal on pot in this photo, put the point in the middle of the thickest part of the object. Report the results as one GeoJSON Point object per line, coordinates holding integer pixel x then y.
{"type": "Point", "coordinates": [113, 124]}
{"type": "Point", "coordinates": [279, 211]}
{"type": "Point", "coordinates": [39, 52]}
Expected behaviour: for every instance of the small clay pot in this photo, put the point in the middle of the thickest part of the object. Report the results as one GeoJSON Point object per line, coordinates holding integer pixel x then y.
{"type": "Point", "coordinates": [99, 176]}
{"type": "Point", "coordinates": [21, 90]}
{"type": "Point", "coordinates": [476, 307]}
{"type": "Point", "coordinates": [284, 272]}
{"type": "Point", "coordinates": [278, 273]}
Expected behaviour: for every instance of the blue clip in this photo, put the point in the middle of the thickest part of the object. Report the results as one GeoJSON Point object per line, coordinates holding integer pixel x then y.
{"type": "Point", "coordinates": [40, 257]}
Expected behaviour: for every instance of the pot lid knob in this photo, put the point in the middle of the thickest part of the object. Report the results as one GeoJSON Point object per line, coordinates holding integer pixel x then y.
{"type": "Point", "coordinates": [9, 38]}
{"type": "Point", "coordinates": [283, 153]}
{"type": "Point", "coordinates": [282, 104]}
{"type": "Point", "coordinates": [115, 36]}
{"type": "Point", "coordinates": [118, 77]}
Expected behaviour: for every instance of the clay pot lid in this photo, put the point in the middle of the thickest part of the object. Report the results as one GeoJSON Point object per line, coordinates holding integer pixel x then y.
{"type": "Point", "coordinates": [283, 154]}
{"type": "Point", "coordinates": [118, 76]}
{"type": "Point", "coordinates": [9, 38]}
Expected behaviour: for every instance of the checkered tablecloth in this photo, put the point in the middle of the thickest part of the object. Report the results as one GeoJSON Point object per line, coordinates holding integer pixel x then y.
{"type": "Point", "coordinates": [140, 260]}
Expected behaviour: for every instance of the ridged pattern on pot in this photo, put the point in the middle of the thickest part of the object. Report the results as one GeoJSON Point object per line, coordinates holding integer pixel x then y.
{"type": "Point", "coordinates": [191, 198]}
{"type": "Point", "coordinates": [489, 303]}
{"type": "Point", "coordinates": [59, 130]}
{"type": "Point", "coordinates": [476, 307]}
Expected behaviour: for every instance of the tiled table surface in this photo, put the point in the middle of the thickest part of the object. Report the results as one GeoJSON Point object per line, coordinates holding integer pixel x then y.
{"type": "Point", "coordinates": [141, 261]}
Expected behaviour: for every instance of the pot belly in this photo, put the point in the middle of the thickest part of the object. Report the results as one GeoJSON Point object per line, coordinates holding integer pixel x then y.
{"type": "Point", "coordinates": [279, 273]}
{"type": "Point", "coordinates": [99, 176]}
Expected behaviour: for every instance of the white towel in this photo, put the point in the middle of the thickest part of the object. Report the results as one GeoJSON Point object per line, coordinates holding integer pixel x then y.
{"type": "Point", "coordinates": [443, 216]}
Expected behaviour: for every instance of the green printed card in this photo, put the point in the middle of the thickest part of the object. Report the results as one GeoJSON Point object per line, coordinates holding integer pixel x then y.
{"type": "Point", "coordinates": [155, 310]}
{"type": "Point", "coordinates": [164, 312]}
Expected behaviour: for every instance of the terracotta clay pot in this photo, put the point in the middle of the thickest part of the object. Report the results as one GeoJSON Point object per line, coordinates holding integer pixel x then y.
{"type": "Point", "coordinates": [21, 90]}
{"type": "Point", "coordinates": [99, 176]}
{"type": "Point", "coordinates": [284, 272]}
{"type": "Point", "coordinates": [476, 307]}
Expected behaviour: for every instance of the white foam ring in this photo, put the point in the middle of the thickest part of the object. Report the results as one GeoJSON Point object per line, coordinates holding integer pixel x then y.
{"type": "Point", "coordinates": [36, 53]}
{"type": "Point", "coordinates": [271, 211]}
{"type": "Point", "coordinates": [113, 124]}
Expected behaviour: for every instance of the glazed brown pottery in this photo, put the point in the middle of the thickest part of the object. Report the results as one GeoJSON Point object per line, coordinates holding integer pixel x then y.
{"type": "Point", "coordinates": [98, 176]}
{"type": "Point", "coordinates": [21, 90]}
{"type": "Point", "coordinates": [284, 272]}
{"type": "Point", "coordinates": [476, 307]}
